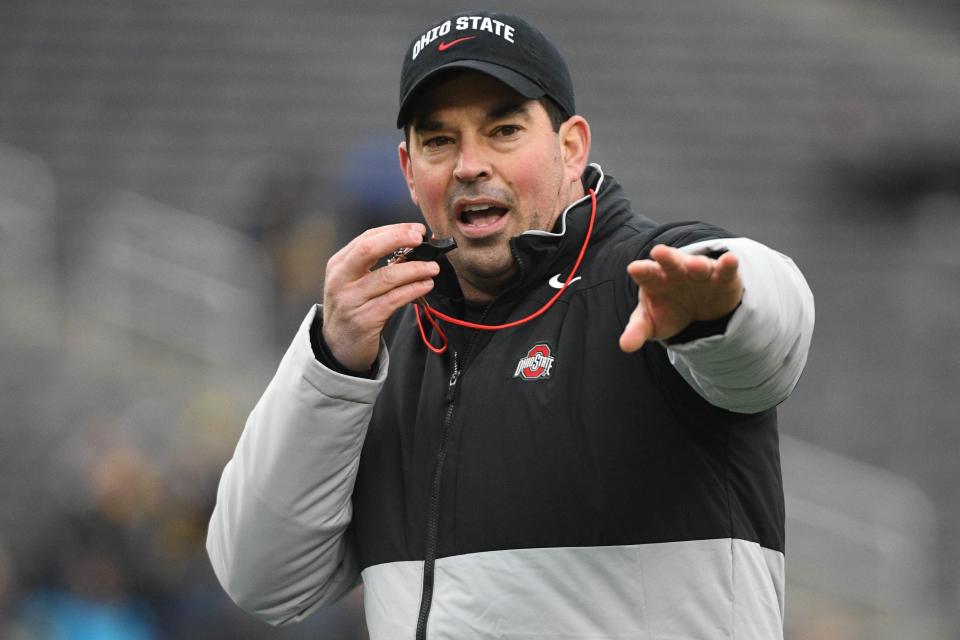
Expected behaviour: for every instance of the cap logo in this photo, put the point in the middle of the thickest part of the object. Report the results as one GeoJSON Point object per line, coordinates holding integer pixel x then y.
{"type": "Point", "coordinates": [536, 365]}
{"type": "Point", "coordinates": [443, 46]}
{"type": "Point", "coordinates": [463, 23]}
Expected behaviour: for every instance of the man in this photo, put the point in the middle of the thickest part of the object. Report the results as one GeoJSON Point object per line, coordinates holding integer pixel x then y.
{"type": "Point", "coordinates": [597, 464]}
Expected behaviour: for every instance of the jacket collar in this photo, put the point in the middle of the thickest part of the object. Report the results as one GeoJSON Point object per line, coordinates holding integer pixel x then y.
{"type": "Point", "coordinates": [539, 252]}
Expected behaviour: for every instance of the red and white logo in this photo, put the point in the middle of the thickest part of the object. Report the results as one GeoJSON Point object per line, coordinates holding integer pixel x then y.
{"type": "Point", "coordinates": [443, 46]}
{"type": "Point", "coordinates": [536, 365]}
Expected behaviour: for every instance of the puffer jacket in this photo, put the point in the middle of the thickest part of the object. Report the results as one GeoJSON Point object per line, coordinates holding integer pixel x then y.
{"type": "Point", "coordinates": [533, 482]}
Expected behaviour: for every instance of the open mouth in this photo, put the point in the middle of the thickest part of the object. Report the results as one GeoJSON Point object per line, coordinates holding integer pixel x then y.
{"type": "Point", "coordinates": [481, 216]}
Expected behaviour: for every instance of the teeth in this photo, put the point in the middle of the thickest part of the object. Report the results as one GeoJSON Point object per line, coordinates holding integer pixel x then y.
{"type": "Point", "coordinates": [477, 207]}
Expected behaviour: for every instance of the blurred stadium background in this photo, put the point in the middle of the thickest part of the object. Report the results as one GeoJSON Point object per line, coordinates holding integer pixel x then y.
{"type": "Point", "coordinates": [174, 175]}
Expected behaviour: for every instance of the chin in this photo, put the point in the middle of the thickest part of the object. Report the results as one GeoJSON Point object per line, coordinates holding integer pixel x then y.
{"type": "Point", "coordinates": [486, 268]}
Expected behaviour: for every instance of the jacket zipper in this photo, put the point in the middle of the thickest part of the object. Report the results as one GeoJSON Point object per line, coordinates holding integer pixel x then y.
{"type": "Point", "coordinates": [433, 518]}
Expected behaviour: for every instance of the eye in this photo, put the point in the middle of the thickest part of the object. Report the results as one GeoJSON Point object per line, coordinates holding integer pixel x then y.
{"type": "Point", "coordinates": [507, 130]}
{"type": "Point", "coordinates": [436, 142]}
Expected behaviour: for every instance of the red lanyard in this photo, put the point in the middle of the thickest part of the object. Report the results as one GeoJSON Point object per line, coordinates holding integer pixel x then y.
{"type": "Point", "coordinates": [433, 315]}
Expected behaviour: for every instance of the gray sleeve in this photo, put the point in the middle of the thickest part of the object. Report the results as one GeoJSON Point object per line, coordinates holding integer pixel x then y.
{"type": "Point", "coordinates": [278, 535]}
{"type": "Point", "coordinates": [757, 361]}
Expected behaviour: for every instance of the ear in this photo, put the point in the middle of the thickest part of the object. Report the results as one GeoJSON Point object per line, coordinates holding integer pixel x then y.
{"type": "Point", "coordinates": [574, 146]}
{"type": "Point", "coordinates": [407, 167]}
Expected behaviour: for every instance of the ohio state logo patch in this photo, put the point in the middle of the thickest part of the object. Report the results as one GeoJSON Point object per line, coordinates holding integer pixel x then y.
{"type": "Point", "coordinates": [536, 365]}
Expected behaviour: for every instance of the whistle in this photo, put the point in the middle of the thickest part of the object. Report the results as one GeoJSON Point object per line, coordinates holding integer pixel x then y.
{"type": "Point", "coordinates": [429, 250]}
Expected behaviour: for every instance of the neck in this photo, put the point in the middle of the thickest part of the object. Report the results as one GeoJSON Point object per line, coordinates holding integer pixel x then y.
{"type": "Point", "coordinates": [479, 294]}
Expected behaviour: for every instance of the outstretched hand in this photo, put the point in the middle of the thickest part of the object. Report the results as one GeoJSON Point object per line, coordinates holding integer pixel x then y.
{"type": "Point", "coordinates": [676, 289]}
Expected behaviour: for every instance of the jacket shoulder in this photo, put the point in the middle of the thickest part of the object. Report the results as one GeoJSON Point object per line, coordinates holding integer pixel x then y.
{"type": "Point", "coordinates": [639, 234]}
{"type": "Point", "coordinates": [677, 234]}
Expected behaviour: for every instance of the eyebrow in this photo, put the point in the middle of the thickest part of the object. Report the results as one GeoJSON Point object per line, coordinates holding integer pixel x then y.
{"type": "Point", "coordinates": [508, 109]}
{"type": "Point", "coordinates": [499, 112]}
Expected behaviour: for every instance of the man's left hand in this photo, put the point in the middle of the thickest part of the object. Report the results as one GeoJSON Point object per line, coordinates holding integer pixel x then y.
{"type": "Point", "coordinates": [676, 289]}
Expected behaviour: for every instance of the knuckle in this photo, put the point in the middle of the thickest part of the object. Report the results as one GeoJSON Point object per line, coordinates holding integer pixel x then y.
{"type": "Point", "coordinates": [364, 250]}
{"type": "Point", "coordinates": [344, 304]}
{"type": "Point", "coordinates": [397, 297]}
{"type": "Point", "coordinates": [332, 272]}
{"type": "Point", "coordinates": [335, 262]}
{"type": "Point", "coordinates": [402, 295]}
{"type": "Point", "coordinates": [389, 276]}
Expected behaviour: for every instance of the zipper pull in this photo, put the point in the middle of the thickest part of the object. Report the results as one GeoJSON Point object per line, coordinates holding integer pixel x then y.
{"type": "Point", "coordinates": [452, 384]}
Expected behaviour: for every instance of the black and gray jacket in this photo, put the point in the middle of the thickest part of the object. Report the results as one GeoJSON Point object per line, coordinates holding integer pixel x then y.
{"type": "Point", "coordinates": [534, 482]}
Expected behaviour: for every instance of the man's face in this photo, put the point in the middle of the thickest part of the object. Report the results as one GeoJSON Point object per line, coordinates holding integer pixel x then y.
{"type": "Point", "coordinates": [484, 165]}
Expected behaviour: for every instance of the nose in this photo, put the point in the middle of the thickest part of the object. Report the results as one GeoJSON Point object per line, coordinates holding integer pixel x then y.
{"type": "Point", "coordinates": [472, 163]}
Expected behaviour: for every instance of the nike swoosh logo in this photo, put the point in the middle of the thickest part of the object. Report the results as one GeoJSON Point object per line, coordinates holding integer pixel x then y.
{"type": "Point", "coordinates": [556, 283]}
{"type": "Point", "coordinates": [443, 46]}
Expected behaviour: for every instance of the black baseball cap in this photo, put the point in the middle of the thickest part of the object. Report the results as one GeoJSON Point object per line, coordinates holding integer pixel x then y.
{"type": "Point", "coordinates": [500, 45]}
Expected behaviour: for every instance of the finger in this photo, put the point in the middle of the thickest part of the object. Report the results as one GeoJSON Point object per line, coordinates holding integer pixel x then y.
{"type": "Point", "coordinates": [379, 309]}
{"type": "Point", "coordinates": [639, 329]}
{"type": "Point", "coordinates": [382, 281]}
{"type": "Point", "coordinates": [363, 252]}
{"type": "Point", "coordinates": [727, 268]}
{"type": "Point", "coordinates": [354, 320]}
{"type": "Point", "coordinates": [670, 260]}
{"type": "Point", "coordinates": [699, 268]}
{"type": "Point", "coordinates": [645, 271]}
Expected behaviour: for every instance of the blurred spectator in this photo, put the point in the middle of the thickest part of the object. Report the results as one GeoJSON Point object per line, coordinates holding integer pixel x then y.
{"type": "Point", "coordinates": [90, 592]}
{"type": "Point", "coordinates": [373, 192]}
{"type": "Point", "coordinates": [284, 213]}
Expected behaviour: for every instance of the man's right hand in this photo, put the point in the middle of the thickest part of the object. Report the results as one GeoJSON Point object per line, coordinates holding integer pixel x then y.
{"type": "Point", "coordinates": [357, 302]}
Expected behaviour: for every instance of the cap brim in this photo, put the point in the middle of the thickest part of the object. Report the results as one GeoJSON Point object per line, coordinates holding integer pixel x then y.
{"type": "Point", "coordinates": [518, 82]}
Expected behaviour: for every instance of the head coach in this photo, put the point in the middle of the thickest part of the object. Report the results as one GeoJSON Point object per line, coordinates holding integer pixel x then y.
{"type": "Point", "coordinates": [564, 427]}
